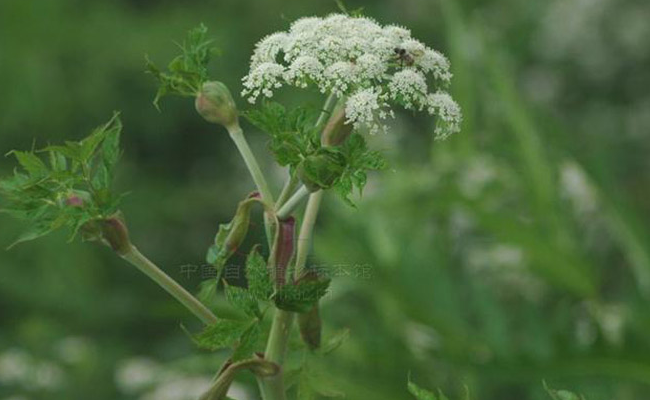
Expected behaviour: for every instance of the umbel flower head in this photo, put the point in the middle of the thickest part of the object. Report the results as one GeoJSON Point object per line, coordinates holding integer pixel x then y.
{"type": "Point", "coordinates": [355, 58]}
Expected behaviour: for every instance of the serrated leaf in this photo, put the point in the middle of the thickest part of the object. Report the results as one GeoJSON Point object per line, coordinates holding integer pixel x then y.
{"type": "Point", "coordinates": [247, 342]}
{"type": "Point", "coordinates": [359, 160]}
{"type": "Point", "coordinates": [58, 162]}
{"type": "Point", "coordinates": [242, 299]}
{"type": "Point", "coordinates": [302, 296]}
{"type": "Point", "coordinates": [30, 162]}
{"type": "Point", "coordinates": [293, 133]}
{"type": "Point", "coordinates": [259, 280]}
{"type": "Point", "coordinates": [222, 334]}
{"type": "Point", "coordinates": [111, 146]}
{"type": "Point", "coordinates": [186, 72]}
{"type": "Point", "coordinates": [33, 233]}
{"type": "Point", "coordinates": [69, 191]}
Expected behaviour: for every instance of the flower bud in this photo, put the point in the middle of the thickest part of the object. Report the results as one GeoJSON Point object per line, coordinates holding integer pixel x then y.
{"type": "Point", "coordinates": [320, 171]}
{"type": "Point", "coordinates": [115, 234]}
{"type": "Point", "coordinates": [284, 249]}
{"type": "Point", "coordinates": [214, 103]}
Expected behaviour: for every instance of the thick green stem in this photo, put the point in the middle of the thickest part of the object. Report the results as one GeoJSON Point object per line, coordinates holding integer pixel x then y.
{"type": "Point", "coordinates": [273, 388]}
{"type": "Point", "coordinates": [238, 137]}
{"type": "Point", "coordinates": [306, 230]}
{"type": "Point", "coordinates": [289, 187]}
{"type": "Point", "coordinates": [150, 269]}
{"type": "Point", "coordinates": [327, 109]}
{"type": "Point", "coordinates": [293, 202]}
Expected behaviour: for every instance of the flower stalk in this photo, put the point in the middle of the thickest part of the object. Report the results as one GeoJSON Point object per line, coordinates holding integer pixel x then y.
{"type": "Point", "coordinates": [138, 260]}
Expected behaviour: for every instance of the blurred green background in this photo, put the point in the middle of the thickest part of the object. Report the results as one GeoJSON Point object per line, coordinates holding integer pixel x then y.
{"type": "Point", "coordinates": [514, 252]}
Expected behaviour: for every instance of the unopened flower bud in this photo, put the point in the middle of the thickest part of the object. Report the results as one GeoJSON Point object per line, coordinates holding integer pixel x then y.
{"type": "Point", "coordinates": [320, 171]}
{"type": "Point", "coordinates": [74, 201]}
{"type": "Point", "coordinates": [284, 249]}
{"type": "Point", "coordinates": [214, 103]}
{"type": "Point", "coordinates": [115, 234]}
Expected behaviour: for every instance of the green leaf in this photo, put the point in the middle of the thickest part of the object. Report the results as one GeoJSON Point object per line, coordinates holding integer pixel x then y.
{"type": "Point", "coordinates": [33, 233]}
{"type": "Point", "coordinates": [359, 160]}
{"type": "Point", "coordinates": [187, 72]}
{"type": "Point", "coordinates": [258, 276]}
{"type": "Point", "coordinates": [222, 334]}
{"type": "Point", "coordinates": [30, 162]}
{"type": "Point", "coordinates": [300, 297]}
{"type": "Point", "coordinates": [293, 133]}
{"type": "Point", "coordinates": [420, 393]}
{"type": "Point", "coordinates": [69, 191]}
{"type": "Point", "coordinates": [111, 146]}
{"type": "Point", "coordinates": [247, 342]}
{"type": "Point", "coordinates": [58, 162]}
{"type": "Point", "coordinates": [242, 299]}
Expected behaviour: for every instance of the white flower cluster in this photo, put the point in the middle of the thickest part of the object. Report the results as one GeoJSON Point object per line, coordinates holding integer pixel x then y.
{"type": "Point", "coordinates": [357, 59]}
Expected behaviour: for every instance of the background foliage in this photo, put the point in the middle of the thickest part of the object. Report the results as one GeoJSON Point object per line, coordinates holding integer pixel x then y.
{"type": "Point", "coordinates": [515, 252]}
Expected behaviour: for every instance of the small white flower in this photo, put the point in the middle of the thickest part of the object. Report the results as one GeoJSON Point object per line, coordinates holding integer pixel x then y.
{"type": "Point", "coordinates": [267, 49]}
{"type": "Point", "coordinates": [305, 24]}
{"type": "Point", "coordinates": [343, 55]}
{"type": "Point", "coordinates": [339, 77]}
{"type": "Point", "coordinates": [448, 112]}
{"type": "Point", "coordinates": [436, 63]}
{"type": "Point", "coordinates": [303, 70]}
{"type": "Point", "coordinates": [371, 67]}
{"type": "Point", "coordinates": [366, 108]}
{"type": "Point", "coordinates": [263, 80]}
{"type": "Point", "coordinates": [396, 33]}
{"type": "Point", "coordinates": [409, 87]}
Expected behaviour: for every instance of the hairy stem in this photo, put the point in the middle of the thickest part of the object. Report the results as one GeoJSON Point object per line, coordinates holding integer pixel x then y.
{"type": "Point", "coordinates": [172, 287]}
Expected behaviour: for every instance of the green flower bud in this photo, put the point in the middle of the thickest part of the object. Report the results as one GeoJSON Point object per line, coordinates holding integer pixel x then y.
{"type": "Point", "coordinates": [320, 171]}
{"type": "Point", "coordinates": [214, 103]}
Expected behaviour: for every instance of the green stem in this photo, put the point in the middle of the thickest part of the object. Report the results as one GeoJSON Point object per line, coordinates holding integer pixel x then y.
{"type": "Point", "coordinates": [327, 109]}
{"type": "Point", "coordinates": [289, 187]}
{"type": "Point", "coordinates": [273, 388]}
{"type": "Point", "coordinates": [306, 230]}
{"type": "Point", "coordinates": [293, 202]}
{"type": "Point", "coordinates": [238, 137]}
{"type": "Point", "coordinates": [150, 269]}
